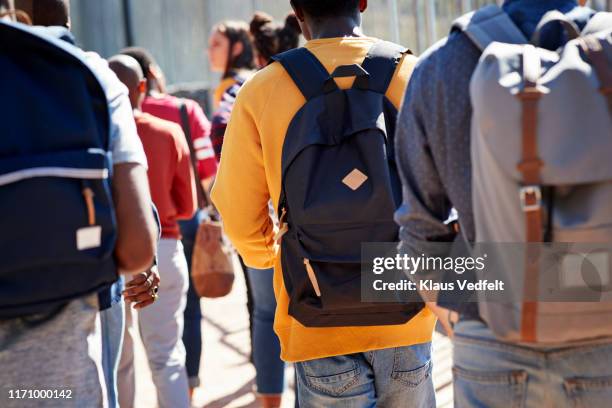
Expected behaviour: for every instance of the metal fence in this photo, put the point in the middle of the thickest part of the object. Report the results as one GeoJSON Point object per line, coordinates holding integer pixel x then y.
{"type": "Point", "coordinates": [176, 31]}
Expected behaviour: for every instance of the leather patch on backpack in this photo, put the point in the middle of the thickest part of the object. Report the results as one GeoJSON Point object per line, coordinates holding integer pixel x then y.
{"type": "Point", "coordinates": [355, 179]}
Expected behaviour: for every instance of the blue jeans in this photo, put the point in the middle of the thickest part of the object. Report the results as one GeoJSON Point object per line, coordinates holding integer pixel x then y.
{"type": "Point", "coordinates": [112, 322]}
{"type": "Point", "coordinates": [394, 378]}
{"type": "Point", "coordinates": [489, 373]}
{"type": "Point", "coordinates": [270, 369]}
{"type": "Point", "coordinates": [192, 332]}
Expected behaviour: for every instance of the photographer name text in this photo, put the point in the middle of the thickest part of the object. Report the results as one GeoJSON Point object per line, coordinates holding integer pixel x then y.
{"type": "Point", "coordinates": [431, 285]}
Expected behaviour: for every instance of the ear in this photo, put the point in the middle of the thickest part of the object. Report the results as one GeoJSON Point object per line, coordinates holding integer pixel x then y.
{"type": "Point", "coordinates": [299, 13]}
{"type": "Point", "coordinates": [142, 86]}
{"type": "Point", "coordinates": [237, 49]}
{"type": "Point", "coordinates": [363, 5]}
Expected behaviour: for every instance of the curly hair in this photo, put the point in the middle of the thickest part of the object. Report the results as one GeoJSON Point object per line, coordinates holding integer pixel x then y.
{"type": "Point", "coordinates": [270, 38]}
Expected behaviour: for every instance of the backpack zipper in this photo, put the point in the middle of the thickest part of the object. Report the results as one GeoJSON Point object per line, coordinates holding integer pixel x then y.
{"type": "Point", "coordinates": [283, 226]}
{"type": "Point", "coordinates": [312, 277]}
{"type": "Point", "coordinates": [88, 195]}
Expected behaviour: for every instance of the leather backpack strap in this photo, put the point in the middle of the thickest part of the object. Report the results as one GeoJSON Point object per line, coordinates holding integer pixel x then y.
{"type": "Point", "coordinates": [531, 193]}
{"type": "Point", "coordinates": [203, 198]}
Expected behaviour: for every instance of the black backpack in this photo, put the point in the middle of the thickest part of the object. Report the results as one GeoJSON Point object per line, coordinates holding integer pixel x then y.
{"type": "Point", "coordinates": [340, 188]}
{"type": "Point", "coordinates": [57, 220]}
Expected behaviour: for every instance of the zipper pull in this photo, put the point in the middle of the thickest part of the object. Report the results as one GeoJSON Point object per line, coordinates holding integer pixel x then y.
{"type": "Point", "coordinates": [312, 277]}
{"type": "Point", "coordinates": [88, 194]}
{"type": "Point", "coordinates": [283, 227]}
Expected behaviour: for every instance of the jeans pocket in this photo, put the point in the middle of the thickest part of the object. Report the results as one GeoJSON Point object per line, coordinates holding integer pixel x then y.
{"type": "Point", "coordinates": [412, 364]}
{"type": "Point", "coordinates": [589, 392]}
{"type": "Point", "coordinates": [332, 376]}
{"type": "Point", "coordinates": [489, 389]}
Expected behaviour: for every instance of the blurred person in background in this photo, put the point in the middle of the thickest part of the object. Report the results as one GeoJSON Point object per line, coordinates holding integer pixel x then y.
{"type": "Point", "coordinates": [171, 181]}
{"type": "Point", "coordinates": [6, 7]}
{"type": "Point", "coordinates": [269, 38]}
{"type": "Point", "coordinates": [230, 54]}
{"type": "Point", "coordinates": [165, 106]}
{"type": "Point", "coordinates": [33, 349]}
{"type": "Point", "coordinates": [56, 13]}
{"type": "Point", "coordinates": [46, 12]}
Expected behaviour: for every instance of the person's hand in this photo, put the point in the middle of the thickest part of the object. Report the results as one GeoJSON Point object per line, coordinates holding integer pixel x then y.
{"type": "Point", "coordinates": [142, 290]}
{"type": "Point", "coordinates": [446, 317]}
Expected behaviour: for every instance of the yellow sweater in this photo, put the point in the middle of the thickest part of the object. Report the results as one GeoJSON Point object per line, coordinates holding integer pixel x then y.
{"type": "Point", "coordinates": [250, 174]}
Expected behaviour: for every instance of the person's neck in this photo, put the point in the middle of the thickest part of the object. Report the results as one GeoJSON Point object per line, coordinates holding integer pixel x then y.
{"type": "Point", "coordinates": [336, 27]}
{"type": "Point", "coordinates": [155, 94]}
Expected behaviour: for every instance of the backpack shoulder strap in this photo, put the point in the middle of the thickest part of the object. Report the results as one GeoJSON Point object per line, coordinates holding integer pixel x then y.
{"type": "Point", "coordinates": [487, 25]}
{"type": "Point", "coordinates": [380, 63]}
{"type": "Point", "coordinates": [601, 21]}
{"type": "Point", "coordinates": [306, 71]}
{"type": "Point", "coordinates": [202, 195]}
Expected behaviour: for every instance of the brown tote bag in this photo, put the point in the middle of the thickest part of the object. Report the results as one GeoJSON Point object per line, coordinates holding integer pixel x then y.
{"type": "Point", "coordinates": [212, 266]}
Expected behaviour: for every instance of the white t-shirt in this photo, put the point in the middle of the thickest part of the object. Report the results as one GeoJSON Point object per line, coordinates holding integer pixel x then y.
{"type": "Point", "coordinates": [125, 145]}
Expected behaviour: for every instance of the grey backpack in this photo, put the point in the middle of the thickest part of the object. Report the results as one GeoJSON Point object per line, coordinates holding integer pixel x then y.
{"type": "Point", "coordinates": [541, 149]}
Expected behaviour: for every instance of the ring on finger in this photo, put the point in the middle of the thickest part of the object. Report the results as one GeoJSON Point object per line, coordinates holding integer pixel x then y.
{"type": "Point", "coordinates": [154, 292]}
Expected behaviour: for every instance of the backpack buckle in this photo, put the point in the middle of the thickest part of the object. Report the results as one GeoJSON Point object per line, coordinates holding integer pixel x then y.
{"type": "Point", "coordinates": [531, 198]}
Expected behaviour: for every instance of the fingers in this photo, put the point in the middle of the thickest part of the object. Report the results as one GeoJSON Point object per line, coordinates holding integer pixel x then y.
{"type": "Point", "coordinates": [155, 279]}
{"type": "Point", "coordinates": [144, 304]}
{"type": "Point", "coordinates": [444, 317]}
{"type": "Point", "coordinates": [138, 280]}
{"type": "Point", "coordinates": [147, 300]}
{"type": "Point", "coordinates": [141, 291]}
{"type": "Point", "coordinates": [141, 297]}
{"type": "Point", "coordinates": [134, 290]}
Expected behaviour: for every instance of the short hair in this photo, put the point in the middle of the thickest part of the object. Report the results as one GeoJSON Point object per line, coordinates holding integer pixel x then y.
{"type": "Point", "coordinates": [143, 56]}
{"type": "Point", "coordinates": [327, 8]}
{"type": "Point", "coordinates": [46, 12]}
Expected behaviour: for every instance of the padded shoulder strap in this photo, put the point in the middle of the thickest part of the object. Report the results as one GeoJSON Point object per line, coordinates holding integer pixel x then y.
{"type": "Point", "coordinates": [380, 63]}
{"type": "Point", "coordinates": [306, 71]}
{"type": "Point", "coordinates": [599, 22]}
{"type": "Point", "coordinates": [487, 25]}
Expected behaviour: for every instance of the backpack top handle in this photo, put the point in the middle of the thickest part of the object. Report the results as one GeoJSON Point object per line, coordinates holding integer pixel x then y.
{"type": "Point", "coordinates": [344, 71]}
{"type": "Point", "coordinates": [555, 16]}
{"type": "Point", "coordinates": [306, 71]}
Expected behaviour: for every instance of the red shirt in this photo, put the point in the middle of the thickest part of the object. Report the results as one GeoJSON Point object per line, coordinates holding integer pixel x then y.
{"type": "Point", "coordinates": [167, 108]}
{"type": "Point", "coordinates": [170, 173]}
